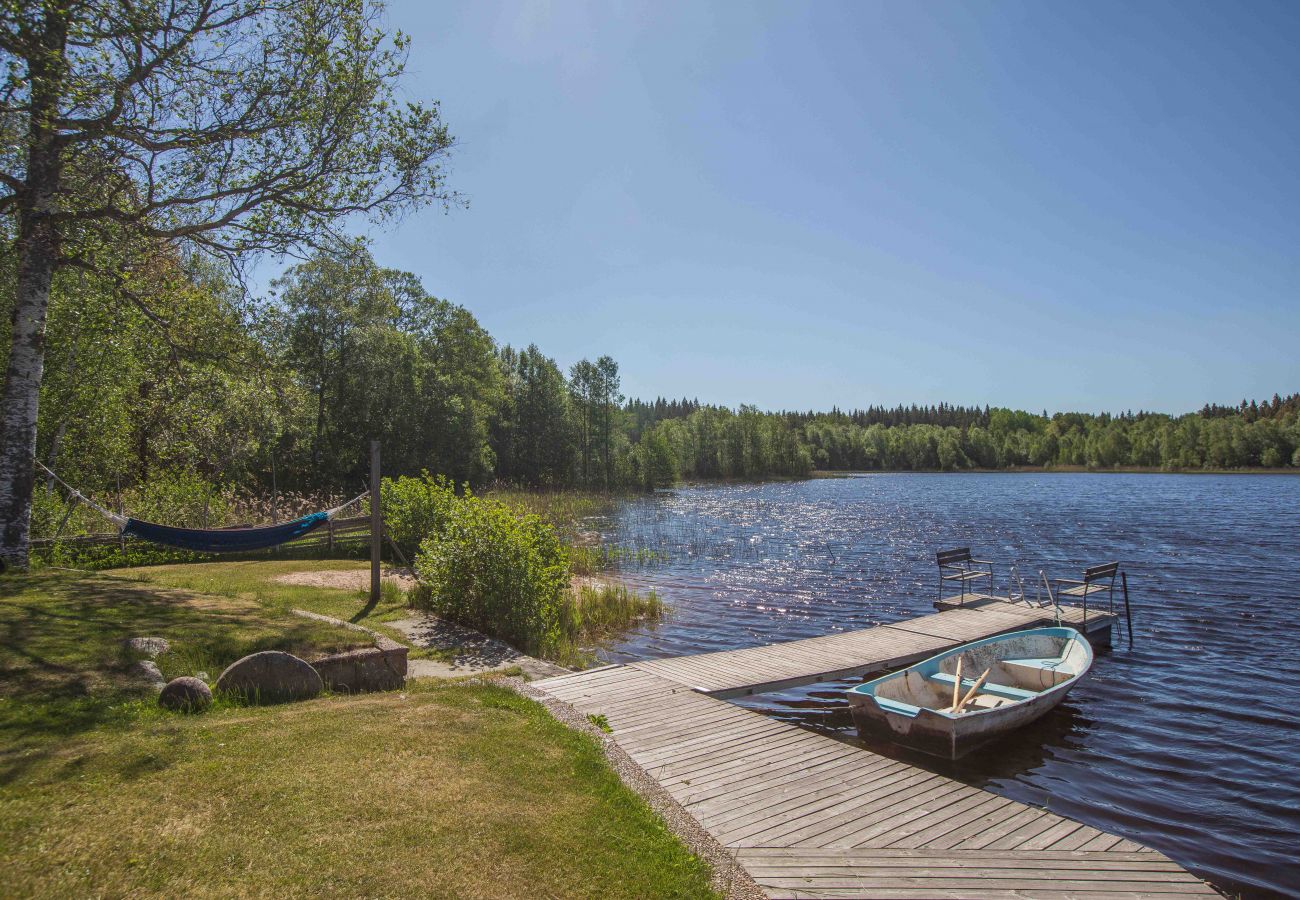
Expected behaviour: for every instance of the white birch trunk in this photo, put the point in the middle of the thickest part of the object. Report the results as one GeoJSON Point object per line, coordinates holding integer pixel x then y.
{"type": "Point", "coordinates": [22, 391]}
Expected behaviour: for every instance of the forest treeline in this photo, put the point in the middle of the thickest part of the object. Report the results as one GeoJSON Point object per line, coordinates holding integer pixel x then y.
{"type": "Point", "coordinates": [188, 378]}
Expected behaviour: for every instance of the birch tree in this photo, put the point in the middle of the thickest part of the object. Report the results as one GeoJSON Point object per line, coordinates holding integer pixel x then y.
{"type": "Point", "coordinates": [234, 127]}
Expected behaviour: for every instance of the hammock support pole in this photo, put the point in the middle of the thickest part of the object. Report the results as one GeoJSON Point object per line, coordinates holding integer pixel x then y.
{"type": "Point", "coordinates": [376, 523]}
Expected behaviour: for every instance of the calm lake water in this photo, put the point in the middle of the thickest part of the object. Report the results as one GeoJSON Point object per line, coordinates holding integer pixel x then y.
{"type": "Point", "coordinates": [1189, 742]}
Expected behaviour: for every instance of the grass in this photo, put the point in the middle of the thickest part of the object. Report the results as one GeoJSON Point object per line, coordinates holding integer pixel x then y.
{"type": "Point", "coordinates": [258, 581]}
{"type": "Point", "coordinates": [63, 666]}
{"type": "Point", "coordinates": [566, 510]}
{"type": "Point", "coordinates": [603, 608]}
{"type": "Point", "coordinates": [444, 790]}
{"type": "Point", "coordinates": [606, 608]}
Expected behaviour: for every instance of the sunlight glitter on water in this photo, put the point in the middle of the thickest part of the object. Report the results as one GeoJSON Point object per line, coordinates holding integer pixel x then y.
{"type": "Point", "coordinates": [1185, 743]}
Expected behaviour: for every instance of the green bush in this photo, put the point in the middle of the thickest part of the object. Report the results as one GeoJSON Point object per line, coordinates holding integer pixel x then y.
{"type": "Point", "coordinates": [415, 509]}
{"type": "Point", "coordinates": [502, 573]}
{"type": "Point", "coordinates": [180, 498]}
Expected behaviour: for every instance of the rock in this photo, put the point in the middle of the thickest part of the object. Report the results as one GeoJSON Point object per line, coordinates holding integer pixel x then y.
{"type": "Point", "coordinates": [147, 671]}
{"type": "Point", "coordinates": [186, 694]}
{"type": "Point", "coordinates": [149, 646]}
{"type": "Point", "coordinates": [271, 677]}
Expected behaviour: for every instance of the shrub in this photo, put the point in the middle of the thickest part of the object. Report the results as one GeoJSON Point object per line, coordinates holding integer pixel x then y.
{"type": "Point", "coordinates": [180, 498]}
{"type": "Point", "coordinates": [415, 509]}
{"type": "Point", "coordinates": [501, 573]}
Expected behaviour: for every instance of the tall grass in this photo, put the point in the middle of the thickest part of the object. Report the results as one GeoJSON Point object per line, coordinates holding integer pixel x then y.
{"type": "Point", "coordinates": [567, 511]}
{"type": "Point", "coordinates": [591, 560]}
{"type": "Point", "coordinates": [605, 609]}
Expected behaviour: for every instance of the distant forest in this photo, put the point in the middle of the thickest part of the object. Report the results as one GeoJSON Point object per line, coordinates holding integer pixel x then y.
{"type": "Point", "coordinates": [948, 438]}
{"type": "Point", "coordinates": [182, 381]}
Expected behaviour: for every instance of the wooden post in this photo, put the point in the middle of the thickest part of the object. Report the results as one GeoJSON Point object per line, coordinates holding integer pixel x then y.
{"type": "Point", "coordinates": [1128, 610]}
{"type": "Point", "coordinates": [275, 493]}
{"type": "Point", "coordinates": [121, 538]}
{"type": "Point", "coordinates": [376, 522]}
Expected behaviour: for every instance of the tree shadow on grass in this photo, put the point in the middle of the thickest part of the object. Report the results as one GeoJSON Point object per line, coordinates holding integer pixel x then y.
{"type": "Point", "coordinates": [64, 669]}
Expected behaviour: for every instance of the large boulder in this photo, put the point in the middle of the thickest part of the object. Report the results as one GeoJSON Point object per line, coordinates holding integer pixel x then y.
{"type": "Point", "coordinates": [186, 693]}
{"type": "Point", "coordinates": [271, 677]}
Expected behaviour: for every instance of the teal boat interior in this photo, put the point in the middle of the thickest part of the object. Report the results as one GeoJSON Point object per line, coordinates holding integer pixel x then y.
{"type": "Point", "coordinates": [1021, 666]}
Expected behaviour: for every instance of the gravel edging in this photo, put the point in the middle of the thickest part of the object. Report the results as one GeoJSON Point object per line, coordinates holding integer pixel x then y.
{"type": "Point", "coordinates": [729, 878]}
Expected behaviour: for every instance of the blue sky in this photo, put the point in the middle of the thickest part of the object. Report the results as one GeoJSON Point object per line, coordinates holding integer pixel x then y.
{"type": "Point", "coordinates": [1082, 206]}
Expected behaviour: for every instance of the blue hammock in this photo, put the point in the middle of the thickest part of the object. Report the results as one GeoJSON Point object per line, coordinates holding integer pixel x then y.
{"type": "Point", "coordinates": [209, 540]}
{"type": "Point", "coordinates": [224, 540]}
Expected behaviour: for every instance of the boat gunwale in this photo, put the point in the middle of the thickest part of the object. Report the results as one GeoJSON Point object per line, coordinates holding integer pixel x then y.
{"type": "Point", "coordinates": [1064, 631]}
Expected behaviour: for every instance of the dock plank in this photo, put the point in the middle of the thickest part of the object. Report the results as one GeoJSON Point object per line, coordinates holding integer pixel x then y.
{"type": "Point", "coordinates": [782, 666]}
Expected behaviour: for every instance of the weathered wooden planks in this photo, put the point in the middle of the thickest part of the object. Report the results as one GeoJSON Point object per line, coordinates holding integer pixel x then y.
{"type": "Point", "coordinates": [809, 816]}
{"type": "Point", "coordinates": [781, 666]}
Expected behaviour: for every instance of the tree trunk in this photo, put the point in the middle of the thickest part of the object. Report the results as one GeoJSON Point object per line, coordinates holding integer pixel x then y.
{"type": "Point", "coordinates": [38, 254]}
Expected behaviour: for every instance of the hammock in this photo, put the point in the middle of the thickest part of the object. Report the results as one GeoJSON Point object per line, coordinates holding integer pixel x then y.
{"type": "Point", "coordinates": [224, 540]}
{"type": "Point", "coordinates": [210, 540]}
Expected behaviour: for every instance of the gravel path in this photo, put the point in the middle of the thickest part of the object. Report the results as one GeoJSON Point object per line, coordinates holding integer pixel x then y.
{"type": "Point", "coordinates": [729, 878]}
{"type": "Point", "coordinates": [464, 651]}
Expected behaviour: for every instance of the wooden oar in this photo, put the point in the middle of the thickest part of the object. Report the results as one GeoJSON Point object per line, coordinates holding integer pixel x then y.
{"type": "Point", "coordinates": [971, 692]}
{"type": "Point", "coordinates": [956, 686]}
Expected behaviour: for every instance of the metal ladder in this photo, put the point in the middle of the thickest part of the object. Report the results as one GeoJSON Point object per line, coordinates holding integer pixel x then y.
{"type": "Point", "coordinates": [1016, 594]}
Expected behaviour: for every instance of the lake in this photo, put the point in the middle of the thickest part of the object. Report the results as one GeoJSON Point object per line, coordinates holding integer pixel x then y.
{"type": "Point", "coordinates": [1189, 742]}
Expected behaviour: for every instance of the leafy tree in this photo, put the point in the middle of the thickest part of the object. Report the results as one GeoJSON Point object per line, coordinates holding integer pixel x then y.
{"type": "Point", "coordinates": [236, 126]}
{"type": "Point", "coordinates": [382, 358]}
{"type": "Point", "coordinates": [608, 399]}
{"type": "Point", "coordinates": [535, 442]}
{"type": "Point", "coordinates": [584, 390]}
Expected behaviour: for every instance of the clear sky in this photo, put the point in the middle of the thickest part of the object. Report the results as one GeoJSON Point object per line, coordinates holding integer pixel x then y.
{"type": "Point", "coordinates": [1085, 206]}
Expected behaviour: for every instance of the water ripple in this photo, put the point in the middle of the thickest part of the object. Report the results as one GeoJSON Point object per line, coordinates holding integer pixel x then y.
{"type": "Point", "coordinates": [1186, 743]}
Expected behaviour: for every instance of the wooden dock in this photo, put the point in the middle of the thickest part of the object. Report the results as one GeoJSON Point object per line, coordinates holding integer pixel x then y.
{"type": "Point", "coordinates": [810, 816]}
{"type": "Point", "coordinates": [778, 667]}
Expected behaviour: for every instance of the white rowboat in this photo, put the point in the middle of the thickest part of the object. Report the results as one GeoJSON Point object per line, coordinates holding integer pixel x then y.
{"type": "Point", "coordinates": [1003, 683]}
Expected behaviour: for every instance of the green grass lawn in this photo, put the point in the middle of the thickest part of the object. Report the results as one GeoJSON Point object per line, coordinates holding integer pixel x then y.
{"type": "Point", "coordinates": [446, 790]}
{"type": "Point", "coordinates": [256, 580]}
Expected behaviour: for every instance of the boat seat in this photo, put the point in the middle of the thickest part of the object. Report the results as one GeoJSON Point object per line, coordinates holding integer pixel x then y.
{"type": "Point", "coordinates": [997, 690]}
{"type": "Point", "coordinates": [1035, 669]}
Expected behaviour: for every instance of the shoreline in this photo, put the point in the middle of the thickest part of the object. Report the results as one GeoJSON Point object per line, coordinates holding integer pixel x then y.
{"type": "Point", "coordinates": [1053, 470]}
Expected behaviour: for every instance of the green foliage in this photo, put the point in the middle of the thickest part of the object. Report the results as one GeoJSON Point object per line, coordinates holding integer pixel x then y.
{"type": "Point", "coordinates": [501, 573]}
{"type": "Point", "coordinates": [377, 355]}
{"type": "Point", "coordinates": [1013, 438]}
{"type": "Point", "coordinates": [505, 572]}
{"type": "Point", "coordinates": [534, 432]}
{"type": "Point", "coordinates": [715, 442]}
{"type": "Point", "coordinates": [416, 509]}
{"type": "Point", "coordinates": [653, 461]}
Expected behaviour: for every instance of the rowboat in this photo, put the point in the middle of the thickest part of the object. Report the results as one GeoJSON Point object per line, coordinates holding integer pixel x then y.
{"type": "Point", "coordinates": [952, 703]}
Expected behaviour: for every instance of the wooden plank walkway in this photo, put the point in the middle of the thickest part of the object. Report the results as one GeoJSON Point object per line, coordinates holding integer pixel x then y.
{"type": "Point", "coordinates": [781, 666]}
{"type": "Point", "coordinates": [809, 816]}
